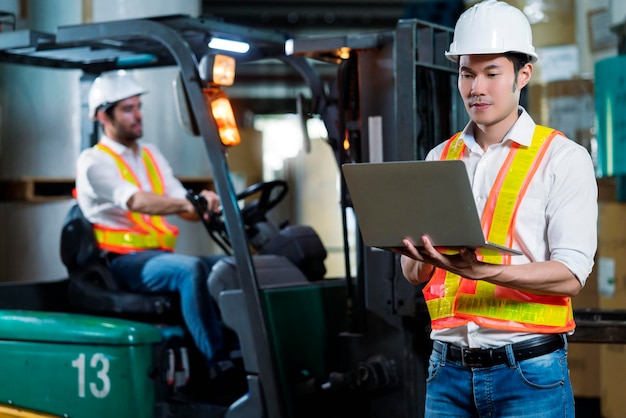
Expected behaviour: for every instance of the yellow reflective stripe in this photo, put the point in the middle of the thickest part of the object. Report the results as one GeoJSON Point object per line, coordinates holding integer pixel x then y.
{"type": "Point", "coordinates": [493, 259]}
{"type": "Point", "coordinates": [153, 172]}
{"type": "Point", "coordinates": [154, 175]}
{"type": "Point", "coordinates": [160, 223]}
{"type": "Point", "coordinates": [443, 306]}
{"type": "Point", "coordinates": [158, 187]}
{"type": "Point", "coordinates": [155, 226]}
{"type": "Point", "coordinates": [512, 176]}
{"type": "Point", "coordinates": [168, 241]}
{"type": "Point", "coordinates": [484, 288]}
{"type": "Point", "coordinates": [508, 194]}
{"type": "Point", "coordinates": [482, 303]}
{"type": "Point", "coordinates": [451, 285]}
{"type": "Point", "coordinates": [454, 150]}
{"type": "Point", "coordinates": [511, 310]}
{"type": "Point", "coordinates": [144, 222]}
{"type": "Point", "coordinates": [127, 173]}
{"type": "Point", "coordinates": [440, 307]}
{"type": "Point", "coordinates": [127, 239]}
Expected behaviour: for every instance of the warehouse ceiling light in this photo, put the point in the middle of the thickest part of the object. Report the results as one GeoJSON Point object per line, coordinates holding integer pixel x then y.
{"type": "Point", "coordinates": [229, 45]}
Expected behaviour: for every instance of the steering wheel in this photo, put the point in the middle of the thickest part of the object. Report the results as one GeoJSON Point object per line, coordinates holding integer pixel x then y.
{"type": "Point", "coordinates": [271, 194]}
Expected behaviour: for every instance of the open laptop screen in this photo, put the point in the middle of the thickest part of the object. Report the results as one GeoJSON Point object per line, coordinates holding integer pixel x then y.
{"type": "Point", "coordinates": [395, 200]}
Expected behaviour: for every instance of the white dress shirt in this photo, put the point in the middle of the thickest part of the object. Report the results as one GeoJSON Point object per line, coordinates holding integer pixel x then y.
{"type": "Point", "coordinates": [103, 194]}
{"type": "Point", "coordinates": [557, 218]}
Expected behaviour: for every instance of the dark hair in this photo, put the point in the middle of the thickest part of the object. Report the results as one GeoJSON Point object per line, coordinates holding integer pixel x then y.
{"type": "Point", "coordinates": [109, 110]}
{"type": "Point", "coordinates": [518, 59]}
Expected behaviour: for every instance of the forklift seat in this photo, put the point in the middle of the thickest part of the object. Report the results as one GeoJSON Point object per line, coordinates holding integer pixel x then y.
{"type": "Point", "coordinates": [302, 246]}
{"type": "Point", "coordinates": [272, 271]}
{"type": "Point", "coordinates": [91, 286]}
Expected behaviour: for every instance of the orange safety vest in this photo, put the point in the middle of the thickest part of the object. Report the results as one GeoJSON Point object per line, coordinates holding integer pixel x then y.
{"type": "Point", "coordinates": [149, 231]}
{"type": "Point", "coordinates": [453, 300]}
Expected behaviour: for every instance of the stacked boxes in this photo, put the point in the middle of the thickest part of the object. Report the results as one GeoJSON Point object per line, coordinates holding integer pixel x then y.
{"type": "Point", "coordinates": [612, 296]}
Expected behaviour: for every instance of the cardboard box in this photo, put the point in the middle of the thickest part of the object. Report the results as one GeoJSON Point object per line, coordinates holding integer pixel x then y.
{"type": "Point", "coordinates": [246, 159]}
{"type": "Point", "coordinates": [584, 367]}
{"type": "Point", "coordinates": [566, 105]}
{"type": "Point", "coordinates": [613, 368]}
{"type": "Point", "coordinates": [556, 63]}
{"type": "Point", "coordinates": [611, 260]}
{"type": "Point", "coordinates": [607, 189]}
{"type": "Point", "coordinates": [611, 272]}
{"type": "Point", "coordinates": [570, 107]}
{"type": "Point", "coordinates": [583, 358]}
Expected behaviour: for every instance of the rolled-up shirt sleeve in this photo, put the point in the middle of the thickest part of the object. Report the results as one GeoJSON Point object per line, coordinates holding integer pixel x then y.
{"type": "Point", "coordinates": [106, 183]}
{"type": "Point", "coordinates": [572, 212]}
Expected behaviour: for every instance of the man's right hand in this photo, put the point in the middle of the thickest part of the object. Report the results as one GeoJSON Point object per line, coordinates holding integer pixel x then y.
{"type": "Point", "coordinates": [213, 201]}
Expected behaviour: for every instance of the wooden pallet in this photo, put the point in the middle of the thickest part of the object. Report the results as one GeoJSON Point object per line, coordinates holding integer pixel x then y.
{"type": "Point", "coordinates": [46, 189]}
{"type": "Point", "coordinates": [36, 189]}
{"type": "Point", "coordinates": [196, 184]}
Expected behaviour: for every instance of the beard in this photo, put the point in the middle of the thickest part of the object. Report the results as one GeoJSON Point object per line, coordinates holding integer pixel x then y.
{"type": "Point", "coordinates": [128, 134]}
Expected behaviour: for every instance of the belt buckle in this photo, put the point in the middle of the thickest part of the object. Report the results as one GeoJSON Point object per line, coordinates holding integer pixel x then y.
{"type": "Point", "coordinates": [467, 352]}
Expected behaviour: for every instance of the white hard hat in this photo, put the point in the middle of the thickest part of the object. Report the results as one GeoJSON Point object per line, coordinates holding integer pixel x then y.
{"type": "Point", "coordinates": [110, 88]}
{"type": "Point", "coordinates": [492, 27]}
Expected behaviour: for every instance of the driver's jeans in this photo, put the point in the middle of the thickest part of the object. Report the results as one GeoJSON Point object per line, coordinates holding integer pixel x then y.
{"type": "Point", "coordinates": [161, 271]}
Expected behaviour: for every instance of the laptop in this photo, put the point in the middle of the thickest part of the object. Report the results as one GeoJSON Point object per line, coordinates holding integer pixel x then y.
{"type": "Point", "coordinates": [394, 200]}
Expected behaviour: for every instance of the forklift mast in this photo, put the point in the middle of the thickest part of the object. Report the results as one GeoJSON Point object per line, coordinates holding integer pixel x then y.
{"type": "Point", "coordinates": [395, 99]}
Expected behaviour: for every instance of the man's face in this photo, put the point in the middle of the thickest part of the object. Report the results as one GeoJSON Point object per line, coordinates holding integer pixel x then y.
{"type": "Point", "coordinates": [125, 125]}
{"type": "Point", "coordinates": [490, 88]}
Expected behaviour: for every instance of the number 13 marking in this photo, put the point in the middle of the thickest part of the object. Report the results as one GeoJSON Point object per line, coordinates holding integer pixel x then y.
{"type": "Point", "coordinates": [101, 364]}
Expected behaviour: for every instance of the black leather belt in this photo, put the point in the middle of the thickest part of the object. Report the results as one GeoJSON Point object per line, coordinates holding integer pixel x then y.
{"type": "Point", "coordinates": [487, 357]}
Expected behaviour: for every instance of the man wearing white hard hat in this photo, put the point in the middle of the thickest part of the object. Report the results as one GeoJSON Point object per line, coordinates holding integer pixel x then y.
{"type": "Point", "coordinates": [125, 187]}
{"type": "Point", "coordinates": [500, 322]}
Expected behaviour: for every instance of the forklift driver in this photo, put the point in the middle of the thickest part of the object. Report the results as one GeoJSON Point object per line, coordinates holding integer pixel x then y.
{"type": "Point", "coordinates": [125, 187]}
{"type": "Point", "coordinates": [500, 323]}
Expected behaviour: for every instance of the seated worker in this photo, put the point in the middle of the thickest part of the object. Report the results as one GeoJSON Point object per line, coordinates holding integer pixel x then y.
{"type": "Point", "coordinates": [124, 188]}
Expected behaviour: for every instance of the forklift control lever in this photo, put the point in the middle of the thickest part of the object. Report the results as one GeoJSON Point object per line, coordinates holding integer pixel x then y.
{"type": "Point", "coordinates": [376, 374]}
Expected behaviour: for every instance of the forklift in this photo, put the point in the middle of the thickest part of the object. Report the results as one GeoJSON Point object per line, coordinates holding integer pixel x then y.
{"type": "Point", "coordinates": [309, 345]}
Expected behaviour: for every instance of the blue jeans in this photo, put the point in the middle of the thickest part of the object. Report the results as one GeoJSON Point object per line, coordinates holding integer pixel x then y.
{"type": "Point", "coordinates": [161, 271]}
{"type": "Point", "coordinates": [538, 387]}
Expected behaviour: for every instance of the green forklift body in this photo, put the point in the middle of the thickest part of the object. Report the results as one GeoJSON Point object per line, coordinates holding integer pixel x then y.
{"type": "Point", "coordinates": [305, 323]}
{"type": "Point", "coordinates": [77, 365]}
